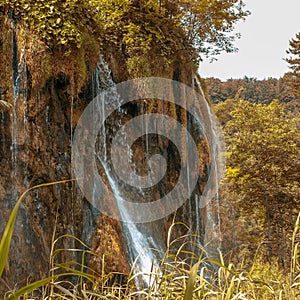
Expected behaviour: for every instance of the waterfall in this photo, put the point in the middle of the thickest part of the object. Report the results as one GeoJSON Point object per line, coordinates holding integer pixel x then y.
{"type": "Point", "coordinates": [19, 88]}
{"type": "Point", "coordinates": [144, 236]}
{"type": "Point", "coordinates": [138, 244]}
{"type": "Point", "coordinates": [106, 135]}
{"type": "Point", "coordinates": [140, 247]}
{"type": "Point", "coordinates": [16, 88]}
{"type": "Point", "coordinates": [217, 147]}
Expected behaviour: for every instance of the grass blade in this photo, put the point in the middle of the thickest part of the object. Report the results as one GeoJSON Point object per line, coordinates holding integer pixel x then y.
{"type": "Point", "coordinates": [188, 295]}
{"type": "Point", "coordinates": [30, 287]}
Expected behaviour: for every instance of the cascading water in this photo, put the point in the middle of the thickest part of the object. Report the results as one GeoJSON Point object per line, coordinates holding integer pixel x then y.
{"type": "Point", "coordinates": [138, 244]}
{"type": "Point", "coordinates": [16, 82]}
{"type": "Point", "coordinates": [217, 145]}
{"type": "Point", "coordinates": [19, 87]}
{"type": "Point", "coordinates": [130, 191]}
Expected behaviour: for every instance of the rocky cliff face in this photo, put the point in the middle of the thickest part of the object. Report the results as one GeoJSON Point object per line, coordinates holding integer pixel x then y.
{"type": "Point", "coordinates": [38, 151]}
{"type": "Point", "coordinates": [36, 132]}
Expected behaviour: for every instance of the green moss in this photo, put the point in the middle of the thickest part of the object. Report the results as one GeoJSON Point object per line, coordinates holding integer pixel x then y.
{"type": "Point", "coordinates": [138, 66]}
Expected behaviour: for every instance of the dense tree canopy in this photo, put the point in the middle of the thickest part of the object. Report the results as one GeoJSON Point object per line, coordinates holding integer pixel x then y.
{"type": "Point", "coordinates": [261, 188]}
{"type": "Point", "coordinates": [149, 35]}
{"type": "Point", "coordinates": [201, 26]}
{"type": "Point", "coordinates": [254, 90]}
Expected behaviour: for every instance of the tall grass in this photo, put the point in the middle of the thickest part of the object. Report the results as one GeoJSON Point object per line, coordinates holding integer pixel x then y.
{"type": "Point", "coordinates": [181, 275]}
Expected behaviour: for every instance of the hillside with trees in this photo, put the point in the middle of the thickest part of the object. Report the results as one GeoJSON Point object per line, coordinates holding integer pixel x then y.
{"type": "Point", "coordinates": [254, 90]}
{"type": "Point", "coordinates": [57, 57]}
{"type": "Point", "coordinates": [260, 194]}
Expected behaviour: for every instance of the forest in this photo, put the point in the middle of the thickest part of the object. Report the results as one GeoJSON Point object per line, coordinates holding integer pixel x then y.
{"type": "Point", "coordinates": [75, 225]}
{"type": "Point", "coordinates": [254, 90]}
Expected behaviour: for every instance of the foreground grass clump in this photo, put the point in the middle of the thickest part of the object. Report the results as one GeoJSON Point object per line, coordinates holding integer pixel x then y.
{"type": "Point", "coordinates": [180, 275]}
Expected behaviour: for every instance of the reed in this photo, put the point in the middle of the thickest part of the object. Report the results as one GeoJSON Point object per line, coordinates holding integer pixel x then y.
{"type": "Point", "coordinates": [181, 275]}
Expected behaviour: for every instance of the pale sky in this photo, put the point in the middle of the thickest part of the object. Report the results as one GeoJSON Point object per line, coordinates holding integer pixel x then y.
{"type": "Point", "coordinates": [265, 38]}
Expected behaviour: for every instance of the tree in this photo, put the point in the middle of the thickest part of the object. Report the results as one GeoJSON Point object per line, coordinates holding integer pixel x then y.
{"type": "Point", "coordinates": [208, 25]}
{"type": "Point", "coordinates": [294, 64]}
{"type": "Point", "coordinates": [262, 181]}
